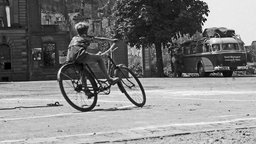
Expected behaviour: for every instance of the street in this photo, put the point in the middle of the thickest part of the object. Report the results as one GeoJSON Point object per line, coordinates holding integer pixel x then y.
{"type": "Point", "coordinates": [175, 106]}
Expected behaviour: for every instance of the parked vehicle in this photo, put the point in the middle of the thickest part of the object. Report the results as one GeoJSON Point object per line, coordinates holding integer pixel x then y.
{"type": "Point", "coordinates": [222, 51]}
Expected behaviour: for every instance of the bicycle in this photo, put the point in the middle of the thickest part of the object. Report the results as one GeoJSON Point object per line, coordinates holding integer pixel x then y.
{"type": "Point", "coordinates": [80, 86]}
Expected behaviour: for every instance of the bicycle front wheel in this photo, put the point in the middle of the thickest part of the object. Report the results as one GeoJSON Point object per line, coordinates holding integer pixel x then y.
{"type": "Point", "coordinates": [131, 86]}
{"type": "Point", "coordinates": [77, 87]}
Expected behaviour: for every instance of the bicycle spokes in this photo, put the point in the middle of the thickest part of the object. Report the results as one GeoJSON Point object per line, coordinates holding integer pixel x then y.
{"type": "Point", "coordinates": [129, 83]}
{"type": "Point", "coordinates": [131, 86]}
{"type": "Point", "coordinates": [77, 89]}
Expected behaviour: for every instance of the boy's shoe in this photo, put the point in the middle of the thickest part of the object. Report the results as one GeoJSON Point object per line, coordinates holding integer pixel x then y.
{"type": "Point", "coordinates": [88, 93]}
{"type": "Point", "coordinates": [113, 81]}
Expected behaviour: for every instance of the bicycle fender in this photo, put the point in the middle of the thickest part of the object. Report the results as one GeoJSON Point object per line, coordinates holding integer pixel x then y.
{"type": "Point", "coordinates": [119, 84]}
{"type": "Point", "coordinates": [121, 87]}
{"type": "Point", "coordinates": [59, 71]}
{"type": "Point", "coordinates": [121, 65]}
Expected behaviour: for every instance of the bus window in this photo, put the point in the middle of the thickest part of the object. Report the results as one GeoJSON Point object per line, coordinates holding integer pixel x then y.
{"type": "Point", "coordinates": [241, 45]}
{"type": "Point", "coordinates": [199, 48]}
{"type": "Point", "coordinates": [206, 48]}
{"type": "Point", "coordinates": [236, 47]}
{"type": "Point", "coordinates": [186, 50]}
{"type": "Point", "coordinates": [230, 46]}
{"type": "Point", "coordinates": [193, 49]}
{"type": "Point", "coordinates": [215, 47]}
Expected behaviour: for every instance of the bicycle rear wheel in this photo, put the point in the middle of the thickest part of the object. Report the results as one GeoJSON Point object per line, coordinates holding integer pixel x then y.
{"type": "Point", "coordinates": [77, 87]}
{"type": "Point", "coordinates": [131, 86]}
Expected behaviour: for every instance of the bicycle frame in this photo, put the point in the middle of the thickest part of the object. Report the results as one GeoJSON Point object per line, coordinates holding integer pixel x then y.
{"type": "Point", "coordinates": [103, 86]}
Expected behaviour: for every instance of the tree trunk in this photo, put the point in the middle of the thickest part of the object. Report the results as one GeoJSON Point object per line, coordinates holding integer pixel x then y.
{"type": "Point", "coordinates": [159, 60]}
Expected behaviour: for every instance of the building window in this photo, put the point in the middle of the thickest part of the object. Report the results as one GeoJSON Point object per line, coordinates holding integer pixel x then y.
{"type": "Point", "coordinates": [49, 54]}
{"type": "Point", "coordinates": [5, 15]}
{"type": "Point", "coordinates": [37, 57]}
{"type": "Point", "coordinates": [37, 54]}
{"type": "Point", "coordinates": [54, 14]}
{"type": "Point", "coordinates": [62, 56]}
{"type": "Point", "coordinates": [8, 15]}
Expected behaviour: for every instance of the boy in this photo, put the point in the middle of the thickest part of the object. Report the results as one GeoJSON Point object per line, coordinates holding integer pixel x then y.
{"type": "Point", "coordinates": [77, 50]}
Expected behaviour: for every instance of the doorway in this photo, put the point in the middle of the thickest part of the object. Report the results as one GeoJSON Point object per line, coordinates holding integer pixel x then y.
{"type": "Point", "coordinates": [5, 62]}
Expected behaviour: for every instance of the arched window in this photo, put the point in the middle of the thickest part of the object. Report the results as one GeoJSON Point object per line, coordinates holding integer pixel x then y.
{"type": "Point", "coordinates": [5, 56]}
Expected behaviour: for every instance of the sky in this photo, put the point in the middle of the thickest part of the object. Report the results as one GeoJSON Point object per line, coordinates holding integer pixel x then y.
{"type": "Point", "coordinates": [239, 15]}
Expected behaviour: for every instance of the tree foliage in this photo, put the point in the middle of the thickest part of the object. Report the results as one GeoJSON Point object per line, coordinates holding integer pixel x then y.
{"type": "Point", "coordinates": [147, 22]}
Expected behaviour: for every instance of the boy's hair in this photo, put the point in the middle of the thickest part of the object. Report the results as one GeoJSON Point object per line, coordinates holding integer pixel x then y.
{"type": "Point", "coordinates": [82, 28]}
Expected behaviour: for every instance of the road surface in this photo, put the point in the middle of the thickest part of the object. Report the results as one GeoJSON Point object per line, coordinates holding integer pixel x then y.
{"type": "Point", "coordinates": [178, 110]}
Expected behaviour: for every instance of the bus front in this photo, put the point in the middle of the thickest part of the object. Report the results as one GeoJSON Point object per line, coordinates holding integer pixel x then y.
{"type": "Point", "coordinates": [230, 55]}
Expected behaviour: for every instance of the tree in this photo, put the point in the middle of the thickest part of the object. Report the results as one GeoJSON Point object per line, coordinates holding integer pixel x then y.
{"type": "Point", "coordinates": [252, 51]}
{"type": "Point", "coordinates": [148, 22]}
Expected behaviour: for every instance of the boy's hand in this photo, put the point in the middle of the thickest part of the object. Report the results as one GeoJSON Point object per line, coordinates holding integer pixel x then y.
{"type": "Point", "coordinates": [99, 53]}
{"type": "Point", "coordinates": [115, 40]}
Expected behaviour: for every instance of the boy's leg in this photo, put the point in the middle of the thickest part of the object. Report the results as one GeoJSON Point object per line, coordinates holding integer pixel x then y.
{"type": "Point", "coordinates": [97, 59]}
{"type": "Point", "coordinates": [93, 58]}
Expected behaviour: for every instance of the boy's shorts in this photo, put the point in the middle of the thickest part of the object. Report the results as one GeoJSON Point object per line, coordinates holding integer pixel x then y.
{"type": "Point", "coordinates": [76, 54]}
{"type": "Point", "coordinates": [81, 56]}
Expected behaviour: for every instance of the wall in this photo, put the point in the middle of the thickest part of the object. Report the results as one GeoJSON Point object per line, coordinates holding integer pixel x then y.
{"type": "Point", "coordinates": [16, 39]}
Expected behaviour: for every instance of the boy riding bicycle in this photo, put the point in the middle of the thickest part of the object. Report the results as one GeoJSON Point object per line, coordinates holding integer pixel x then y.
{"type": "Point", "coordinates": [77, 50]}
{"type": "Point", "coordinates": [80, 86]}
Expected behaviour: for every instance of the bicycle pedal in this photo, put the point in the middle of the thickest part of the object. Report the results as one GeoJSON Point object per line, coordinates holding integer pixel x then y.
{"type": "Point", "coordinates": [89, 93]}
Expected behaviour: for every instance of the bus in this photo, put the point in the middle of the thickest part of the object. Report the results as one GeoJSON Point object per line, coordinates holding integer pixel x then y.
{"type": "Point", "coordinates": [212, 55]}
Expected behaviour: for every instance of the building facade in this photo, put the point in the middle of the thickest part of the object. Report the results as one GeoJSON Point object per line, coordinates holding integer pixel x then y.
{"type": "Point", "coordinates": [14, 62]}
{"type": "Point", "coordinates": [34, 35]}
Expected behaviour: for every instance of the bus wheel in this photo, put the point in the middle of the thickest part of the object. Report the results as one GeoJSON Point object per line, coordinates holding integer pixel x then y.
{"type": "Point", "coordinates": [179, 74]}
{"type": "Point", "coordinates": [201, 71]}
{"type": "Point", "coordinates": [227, 73]}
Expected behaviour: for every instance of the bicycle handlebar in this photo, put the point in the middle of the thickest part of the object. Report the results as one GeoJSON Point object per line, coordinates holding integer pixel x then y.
{"type": "Point", "coordinates": [108, 39]}
{"type": "Point", "coordinates": [112, 48]}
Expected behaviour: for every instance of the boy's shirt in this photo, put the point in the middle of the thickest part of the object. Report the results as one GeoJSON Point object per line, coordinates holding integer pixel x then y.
{"type": "Point", "coordinates": [77, 44]}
